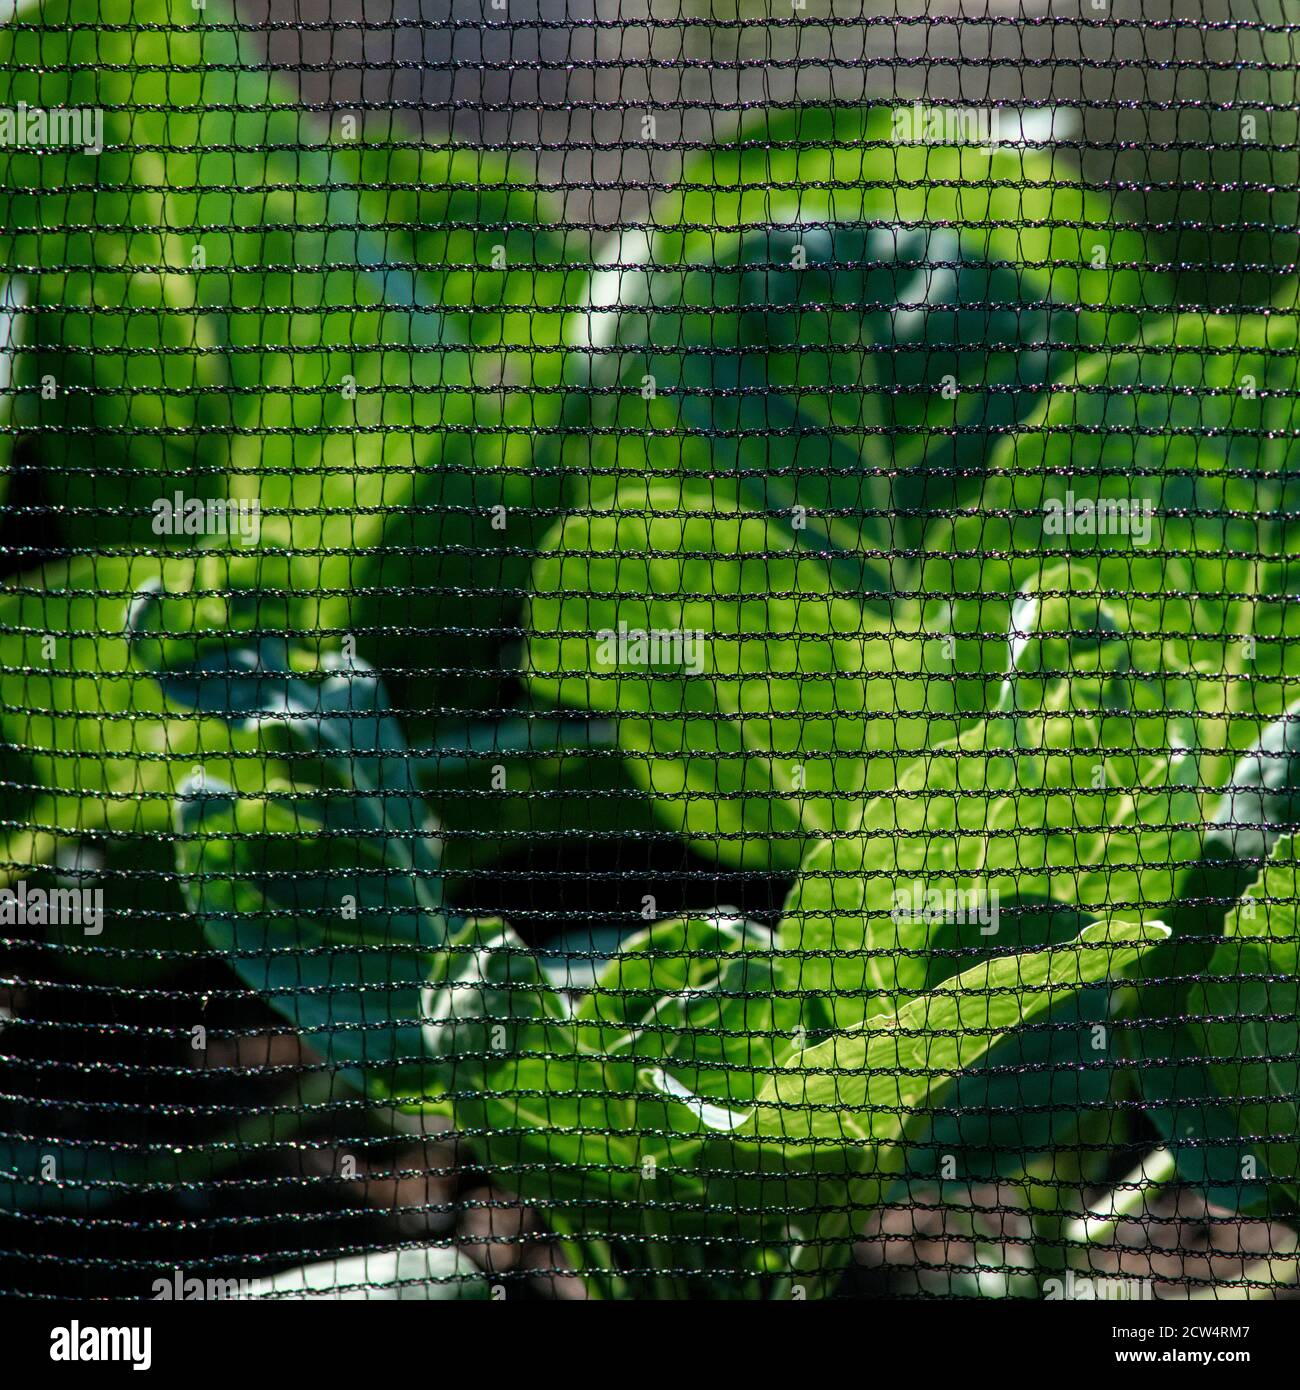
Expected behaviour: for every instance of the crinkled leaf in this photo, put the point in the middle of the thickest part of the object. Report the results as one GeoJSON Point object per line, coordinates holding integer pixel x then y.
{"type": "Point", "coordinates": [489, 1000]}
{"type": "Point", "coordinates": [863, 1089]}
{"type": "Point", "coordinates": [1172, 468]}
{"type": "Point", "coordinates": [809, 291]}
{"type": "Point", "coordinates": [832, 1127]}
{"type": "Point", "coordinates": [1073, 796]}
{"type": "Point", "coordinates": [541, 1111]}
{"type": "Point", "coordinates": [781, 697]}
{"type": "Point", "coordinates": [700, 996]}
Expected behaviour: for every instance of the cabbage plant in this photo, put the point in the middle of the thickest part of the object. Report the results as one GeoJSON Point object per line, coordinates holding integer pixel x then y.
{"type": "Point", "coordinates": [803, 480]}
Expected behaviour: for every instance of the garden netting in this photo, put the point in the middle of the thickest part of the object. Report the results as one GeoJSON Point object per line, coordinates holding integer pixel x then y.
{"type": "Point", "coordinates": [646, 649]}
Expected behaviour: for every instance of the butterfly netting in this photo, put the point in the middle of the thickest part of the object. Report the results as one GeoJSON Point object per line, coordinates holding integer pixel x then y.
{"type": "Point", "coordinates": [647, 650]}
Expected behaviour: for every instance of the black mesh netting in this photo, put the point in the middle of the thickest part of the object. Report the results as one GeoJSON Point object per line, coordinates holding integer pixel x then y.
{"type": "Point", "coordinates": [646, 649]}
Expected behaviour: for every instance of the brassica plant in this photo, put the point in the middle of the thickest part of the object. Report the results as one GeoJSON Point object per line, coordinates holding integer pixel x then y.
{"type": "Point", "coordinates": [788, 479]}
{"type": "Point", "coordinates": [673, 1089]}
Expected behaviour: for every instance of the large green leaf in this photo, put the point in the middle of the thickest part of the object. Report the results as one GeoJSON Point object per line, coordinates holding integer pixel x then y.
{"type": "Point", "coordinates": [336, 314]}
{"type": "Point", "coordinates": [1190, 442]}
{"type": "Point", "coordinates": [807, 293]}
{"type": "Point", "coordinates": [831, 1130]}
{"type": "Point", "coordinates": [1222, 1082]}
{"type": "Point", "coordinates": [788, 700]}
{"type": "Point", "coordinates": [94, 754]}
{"type": "Point", "coordinates": [699, 996]}
{"type": "Point", "coordinates": [315, 911]}
{"type": "Point", "coordinates": [866, 1086]}
{"type": "Point", "coordinates": [337, 714]}
{"type": "Point", "coordinates": [788, 330]}
{"type": "Point", "coordinates": [1073, 800]}
{"type": "Point", "coordinates": [120, 352]}
{"type": "Point", "coordinates": [1238, 890]}
{"type": "Point", "coordinates": [1077, 793]}
{"type": "Point", "coordinates": [388, 510]}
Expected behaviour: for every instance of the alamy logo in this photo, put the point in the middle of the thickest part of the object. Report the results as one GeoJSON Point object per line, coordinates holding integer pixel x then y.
{"type": "Point", "coordinates": [56, 128]}
{"type": "Point", "coordinates": [1105, 516]}
{"type": "Point", "coordinates": [677, 649]}
{"type": "Point", "coordinates": [1102, 1289]}
{"type": "Point", "coordinates": [78, 907]}
{"type": "Point", "coordinates": [945, 125]}
{"type": "Point", "coordinates": [181, 1289]}
{"type": "Point", "coordinates": [914, 902]}
{"type": "Point", "coordinates": [77, 1343]}
{"type": "Point", "coordinates": [179, 515]}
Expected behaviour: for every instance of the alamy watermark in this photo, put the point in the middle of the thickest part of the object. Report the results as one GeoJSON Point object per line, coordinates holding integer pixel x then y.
{"type": "Point", "coordinates": [181, 1288]}
{"type": "Point", "coordinates": [52, 128]}
{"type": "Point", "coordinates": [1102, 516]}
{"type": "Point", "coordinates": [75, 1342]}
{"type": "Point", "coordinates": [1096, 1289]}
{"type": "Point", "coordinates": [919, 124]}
{"type": "Point", "coordinates": [677, 649]}
{"type": "Point", "coordinates": [179, 515]}
{"type": "Point", "coordinates": [915, 902]}
{"type": "Point", "coordinates": [78, 907]}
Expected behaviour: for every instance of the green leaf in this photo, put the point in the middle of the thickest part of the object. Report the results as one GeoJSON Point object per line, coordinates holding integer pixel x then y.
{"type": "Point", "coordinates": [1235, 889]}
{"type": "Point", "coordinates": [541, 1111]}
{"type": "Point", "coordinates": [339, 711]}
{"type": "Point", "coordinates": [489, 998]}
{"type": "Point", "coordinates": [862, 1090]}
{"type": "Point", "coordinates": [94, 754]}
{"type": "Point", "coordinates": [894, 270]}
{"type": "Point", "coordinates": [769, 699]}
{"type": "Point", "coordinates": [139, 408]}
{"type": "Point", "coordinates": [340, 345]}
{"type": "Point", "coordinates": [832, 1128]}
{"type": "Point", "coordinates": [456, 378]}
{"type": "Point", "coordinates": [316, 912]}
{"type": "Point", "coordinates": [1261, 802]}
{"type": "Point", "coordinates": [808, 290]}
{"type": "Point", "coordinates": [700, 996]}
{"type": "Point", "coordinates": [455, 366]}
{"type": "Point", "coordinates": [1247, 1026]}
{"type": "Point", "coordinates": [1170, 1052]}
{"type": "Point", "coordinates": [117, 322]}
{"type": "Point", "coordinates": [1073, 796]}
{"type": "Point", "coordinates": [1240, 1043]}
{"type": "Point", "coordinates": [1267, 913]}
{"type": "Point", "coordinates": [1187, 443]}
{"type": "Point", "coordinates": [1224, 198]}
{"type": "Point", "coordinates": [1212, 1054]}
